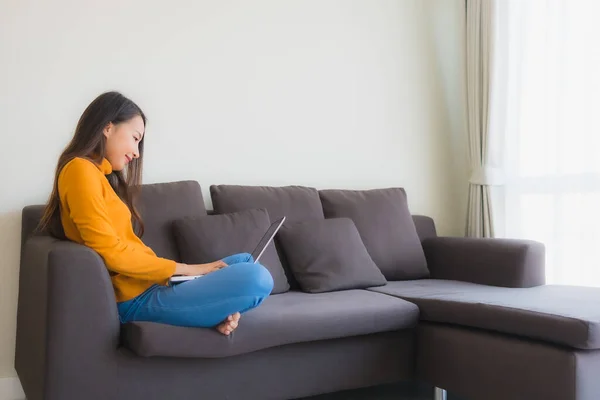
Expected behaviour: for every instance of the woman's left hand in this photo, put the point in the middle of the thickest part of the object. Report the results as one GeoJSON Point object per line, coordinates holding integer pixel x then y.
{"type": "Point", "coordinates": [218, 264]}
{"type": "Point", "coordinates": [199, 269]}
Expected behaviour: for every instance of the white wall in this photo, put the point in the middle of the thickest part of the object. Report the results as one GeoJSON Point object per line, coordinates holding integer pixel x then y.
{"type": "Point", "coordinates": [327, 93]}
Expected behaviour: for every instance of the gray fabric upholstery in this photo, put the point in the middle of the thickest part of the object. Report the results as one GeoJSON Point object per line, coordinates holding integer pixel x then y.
{"type": "Point", "coordinates": [297, 203]}
{"type": "Point", "coordinates": [159, 204]}
{"type": "Point", "coordinates": [566, 315]}
{"type": "Point", "coordinates": [425, 227]}
{"type": "Point", "coordinates": [385, 226]}
{"type": "Point", "coordinates": [68, 348]}
{"type": "Point", "coordinates": [327, 255]}
{"type": "Point", "coordinates": [424, 288]}
{"type": "Point", "coordinates": [284, 372]}
{"type": "Point", "coordinates": [67, 322]}
{"type": "Point", "coordinates": [213, 237]}
{"type": "Point", "coordinates": [31, 217]}
{"type": "Point", "coordinates": [496, 262]}
{"type": "Point", "coordinates": [30, 356]}
{"type": "Point", "coordinates": [587, 365]}
{"type": "Point", "coordinates": [162, 203]}
{"type": "Point", "coordinates": [286, 318]}
{"type": "Point", "coordinates": [475, 364]}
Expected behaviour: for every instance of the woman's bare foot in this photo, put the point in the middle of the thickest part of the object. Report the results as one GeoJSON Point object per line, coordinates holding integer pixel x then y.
{"type": "Point", "coordinates": [229, 325]}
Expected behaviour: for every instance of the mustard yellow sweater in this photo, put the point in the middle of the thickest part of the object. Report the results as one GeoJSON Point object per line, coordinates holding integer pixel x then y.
{"type": "Point", "coordinates": [93, 215]}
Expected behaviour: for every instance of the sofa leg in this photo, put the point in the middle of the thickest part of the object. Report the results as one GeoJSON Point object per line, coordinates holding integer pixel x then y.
{"type": "Point", "coordinates": [439, 394]}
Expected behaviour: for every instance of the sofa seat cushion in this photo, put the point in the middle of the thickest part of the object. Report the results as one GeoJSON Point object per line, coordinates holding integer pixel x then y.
{"type": "Point", "coordinates": [565, 315]}
{"type": "Point", "coordinates": [286, 318]}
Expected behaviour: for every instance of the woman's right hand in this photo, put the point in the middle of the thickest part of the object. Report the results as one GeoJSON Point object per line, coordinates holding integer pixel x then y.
{"type": "Point", "coordinates": [198, 269]}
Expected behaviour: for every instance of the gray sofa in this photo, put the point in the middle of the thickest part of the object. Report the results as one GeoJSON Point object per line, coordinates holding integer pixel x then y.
{"type": "Point", "coordinates": [481, 324]}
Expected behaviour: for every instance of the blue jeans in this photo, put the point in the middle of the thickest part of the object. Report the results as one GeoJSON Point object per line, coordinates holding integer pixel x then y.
{"type": "Point", "coordinates": [206, 301]}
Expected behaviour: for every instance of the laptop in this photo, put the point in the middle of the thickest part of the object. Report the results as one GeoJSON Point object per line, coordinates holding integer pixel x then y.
{"type": "Point", "coordinates": [257, 253]}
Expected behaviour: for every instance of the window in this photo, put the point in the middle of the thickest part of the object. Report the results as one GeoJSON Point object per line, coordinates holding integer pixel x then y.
{"type": "Point", "coordinates": [548, 82]}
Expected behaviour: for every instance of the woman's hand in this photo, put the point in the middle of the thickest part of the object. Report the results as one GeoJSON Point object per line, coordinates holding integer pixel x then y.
{"type": "Point", "coordinates": [198, 269]}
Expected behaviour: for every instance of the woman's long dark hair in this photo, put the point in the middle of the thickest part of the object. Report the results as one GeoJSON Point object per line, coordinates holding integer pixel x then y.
{"type": "Point", "coordinates": [89, 142]}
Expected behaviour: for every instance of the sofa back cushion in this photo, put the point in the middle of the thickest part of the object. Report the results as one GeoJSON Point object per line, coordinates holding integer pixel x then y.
{"type": "Point", "coordinates": [30, 219]}
{"type": "Point", "coordinates": [162, 203]}
{"type": "Point", "coordinates": [386, 227]}
{"type": "Point", "coordinates": [296, 203]}
{"type": "Point", "coordinates": [159, 205]}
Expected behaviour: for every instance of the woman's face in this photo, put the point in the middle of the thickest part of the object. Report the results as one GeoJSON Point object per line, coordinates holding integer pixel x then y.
{"type": "Point", "coordinates": [122, 142]}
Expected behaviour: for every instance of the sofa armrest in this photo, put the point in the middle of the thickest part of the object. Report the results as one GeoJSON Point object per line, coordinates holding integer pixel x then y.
{"type": "Point", "coordinates": [425, 227]}
{"type": "Point", "coordinates": [67, 322]}
{"type": "Point", "coordinates": [496, 262]}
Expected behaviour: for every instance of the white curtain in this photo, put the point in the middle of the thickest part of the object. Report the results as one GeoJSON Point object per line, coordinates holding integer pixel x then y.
{"type": "Point", "coordinates": [548, 55]}
{"type": "Point", "coordinates": [479, 62]}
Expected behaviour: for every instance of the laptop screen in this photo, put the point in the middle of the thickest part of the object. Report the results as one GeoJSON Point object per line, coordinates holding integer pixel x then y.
{"type": "Point", "coordinates": [266, 239]}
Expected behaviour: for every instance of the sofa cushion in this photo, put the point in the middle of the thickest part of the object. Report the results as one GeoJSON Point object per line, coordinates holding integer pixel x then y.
{"type": "Point", "coordinates": [566, 315]}
{"type": "Point", "coordinates": [214, 237]}
{"type": "Point", "coordinates": [296, 203]}
{"type": "Point", "coordinates": [386, 227]}
{"type": "Point", "coordinates": [162, 203]}
{"type": "Point", "coordinates": [291, 317]}
{"type": "Point", "coordinates": [327, 255]}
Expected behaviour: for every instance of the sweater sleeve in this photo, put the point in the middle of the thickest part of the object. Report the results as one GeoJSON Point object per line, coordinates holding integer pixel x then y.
{"type": "Point", "coordinates": [81, 186]}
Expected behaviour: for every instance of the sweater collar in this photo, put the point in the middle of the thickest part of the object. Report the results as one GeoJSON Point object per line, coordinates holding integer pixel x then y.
{"type": "Point", "coordinates": [105, 167]}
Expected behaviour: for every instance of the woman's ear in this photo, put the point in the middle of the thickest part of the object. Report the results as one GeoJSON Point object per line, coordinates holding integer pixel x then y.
{"type": "Point", "coordinates": [108, 130]}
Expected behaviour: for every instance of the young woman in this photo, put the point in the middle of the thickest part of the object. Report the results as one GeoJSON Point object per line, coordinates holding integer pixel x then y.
{"type": "Point", "coordinates": [92, 203]}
